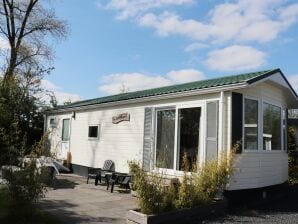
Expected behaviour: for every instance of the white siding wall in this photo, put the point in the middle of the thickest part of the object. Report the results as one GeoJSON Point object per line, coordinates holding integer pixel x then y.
{"type": "Point", "coordinates": [55, 134]}
{"type": "Point", "coordinates": [255, 169]}
{"type": "Point", "coordinates": [120, 142]}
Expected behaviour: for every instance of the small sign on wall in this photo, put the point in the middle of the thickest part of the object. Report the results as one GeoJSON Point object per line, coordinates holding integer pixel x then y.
{"type": "Point", "coordinates": [121, 117]}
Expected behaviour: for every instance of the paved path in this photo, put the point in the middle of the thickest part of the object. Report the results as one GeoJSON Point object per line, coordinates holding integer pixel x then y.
{"type": "Point", "coordinates": [74, 201]}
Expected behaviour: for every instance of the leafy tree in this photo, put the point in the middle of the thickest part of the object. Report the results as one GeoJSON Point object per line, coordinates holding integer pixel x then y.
{"type": "Point", "coordinates": [27, 27]}
{"type": "Point", "coordinates": [21, 121]}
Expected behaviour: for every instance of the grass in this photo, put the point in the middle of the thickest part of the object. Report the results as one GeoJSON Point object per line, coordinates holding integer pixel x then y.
{"type": "Point", "coordinates": [24, 215]}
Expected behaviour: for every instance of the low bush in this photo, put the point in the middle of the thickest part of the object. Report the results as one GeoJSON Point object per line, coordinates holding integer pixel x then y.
{"type": "Point", "coordinates": [194, 189]}
{"type": "Point", "coordinates": [293, 175]}
{"type": "Point", "coordinates": [292, 156]}
{"type": "Point", "coordinates": [28, 184]}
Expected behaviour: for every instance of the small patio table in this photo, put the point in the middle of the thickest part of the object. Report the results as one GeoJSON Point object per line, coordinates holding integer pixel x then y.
{"type": "Point", "coordinates": [119, 178]}
{"type": "Point", "coordinates": [107, 176]}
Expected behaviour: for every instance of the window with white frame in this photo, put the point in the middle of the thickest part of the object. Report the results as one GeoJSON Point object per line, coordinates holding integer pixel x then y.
{"type": "Point", "coordinates": [271, 127]}
{"type": "Point", "coordinates": [65, 129]}
{"type": "Point", "coordinates": [186, 138]}
{"type": "Point", "coordinates": [93, 131]}
{"type": "Point", "coordinates": [251, 124]}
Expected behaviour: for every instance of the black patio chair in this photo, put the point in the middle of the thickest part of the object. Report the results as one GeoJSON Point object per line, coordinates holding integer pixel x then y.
{"type": "Point", "coordinates": [122, 179]}
{"type": "Point", "coordinates": [92, 173]}
{"type": "Point", "coordinates": [107, 169]}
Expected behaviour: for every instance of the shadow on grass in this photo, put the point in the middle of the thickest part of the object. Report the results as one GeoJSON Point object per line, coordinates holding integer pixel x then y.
{"type": "Point", "coordinates": [22, 214]}
{"type": "Point", "coordinates": [65, 211]}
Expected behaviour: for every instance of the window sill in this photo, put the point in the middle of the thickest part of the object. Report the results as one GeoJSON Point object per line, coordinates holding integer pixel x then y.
{"type": "Point", "coordinates": [265, 151]}
{"type": "Point", "coordinates": [93, 139]}
{"type": "Point", "coordinates": [169, 172]}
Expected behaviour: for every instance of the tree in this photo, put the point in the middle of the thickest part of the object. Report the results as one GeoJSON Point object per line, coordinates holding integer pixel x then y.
{"type": "Point", "coordinates": [26, 25]}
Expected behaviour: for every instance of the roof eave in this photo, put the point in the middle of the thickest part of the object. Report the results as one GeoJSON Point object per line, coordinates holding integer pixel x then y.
{"type": "Point", "coordinates": [152, 98]}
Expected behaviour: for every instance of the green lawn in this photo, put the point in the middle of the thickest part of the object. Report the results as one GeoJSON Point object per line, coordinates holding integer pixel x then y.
{"type": "Point", "coordinates": [27, 214]}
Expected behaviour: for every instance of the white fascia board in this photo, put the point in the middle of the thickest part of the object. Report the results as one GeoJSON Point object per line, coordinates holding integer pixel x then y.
{"type": "Point", "coordinates": [277, 81]}
{"type": "Point", "coordinates": [152, 98]}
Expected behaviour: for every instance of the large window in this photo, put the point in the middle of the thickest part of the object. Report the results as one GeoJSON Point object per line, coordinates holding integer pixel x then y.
{"type": "Point", "coordinates": [65, 129]}
{"type": "Point", "coordinates": [165, 138]}
{"type": "Point", "coordinates": [271, 127]}
{"type": "Point", "coordinates": [251, 124]}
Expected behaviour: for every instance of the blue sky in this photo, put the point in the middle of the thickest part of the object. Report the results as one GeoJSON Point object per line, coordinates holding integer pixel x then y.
{"type": "Point", "coordinates": [137, 44]}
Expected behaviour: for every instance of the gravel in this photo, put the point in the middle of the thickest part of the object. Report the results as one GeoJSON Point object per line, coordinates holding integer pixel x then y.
{"type": "Point", "coordinates": [283, 210]}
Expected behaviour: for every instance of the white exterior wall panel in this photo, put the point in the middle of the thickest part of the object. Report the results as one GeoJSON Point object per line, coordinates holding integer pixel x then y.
{"type": "Point", "coordinates": [255, 169]}
{"type": "Point", "coordinates": [119, 142]}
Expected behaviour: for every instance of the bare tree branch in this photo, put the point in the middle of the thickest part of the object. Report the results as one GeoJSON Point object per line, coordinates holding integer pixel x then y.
{"type": "Point", "coordinates": [26, 25]}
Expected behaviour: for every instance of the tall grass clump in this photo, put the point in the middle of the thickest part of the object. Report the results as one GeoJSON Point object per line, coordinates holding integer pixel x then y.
{"type": "Point", "coordinates": [194, 188]}
{"type": "Point", "coordinates": [149, 189]}
{"type": "Point", "coordinates": [213, 177]}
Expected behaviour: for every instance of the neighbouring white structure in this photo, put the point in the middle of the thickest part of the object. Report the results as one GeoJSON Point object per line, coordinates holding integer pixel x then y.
{"type": "Point", "coordinates": [203, 119]}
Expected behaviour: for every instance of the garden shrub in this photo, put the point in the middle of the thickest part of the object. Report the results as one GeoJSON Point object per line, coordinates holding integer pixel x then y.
{"type": "Point", "coordinates": [186, 195]}
{"type": "Point", "coordinates": [149, 190]}
{"type": "Point", "coordinates": [213, 177]}
{"type": "Point", "coordinates": [25, 186]}
{"type": "Point", "coordinates": [194, 189]}
{"type": "Point", "coordinates": [293, 175]}
{"type": "Point", "coordinates": [292, 156]}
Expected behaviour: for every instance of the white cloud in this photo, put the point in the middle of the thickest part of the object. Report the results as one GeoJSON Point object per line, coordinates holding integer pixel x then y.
{"type": "Point", "coordinates": [114, 83]}
{"type": "Point", "coordinates": [241, 21]}
{"type": "Point", "coordinates": [185, 75]}
{"type": "Point", "coordinates": [289, 14]}
{"type": "Point", "coordinates": [293, 79]}
{"type": "Point", "coordinates": [170, 23]}
{"type": "Point", "coordinates": [238, 22]}
{"type": "Point", "coordinates": [4, 44]}
{"type": "Point", "coordinates": [61, 96]}
{"type": "Point", "coordinates": [131, 8]}
{"type": "Point", "coordinates": [195, 46]}
{"type": "Point", "coordinates": [235, 58]}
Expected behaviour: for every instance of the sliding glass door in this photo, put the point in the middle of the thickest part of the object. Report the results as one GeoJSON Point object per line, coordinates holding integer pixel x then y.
{"type": "Point", "coordinates": [180, 126]}
{"type": "Point", "coordinates": [188, 138]}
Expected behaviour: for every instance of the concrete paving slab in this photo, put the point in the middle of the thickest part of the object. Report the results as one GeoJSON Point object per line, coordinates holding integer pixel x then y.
{"type": "Point", "coordinates": [74, 201]}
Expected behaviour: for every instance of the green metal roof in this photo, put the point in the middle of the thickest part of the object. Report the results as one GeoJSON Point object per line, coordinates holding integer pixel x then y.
{"type": "Point", "coordinates": [197, 85]}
